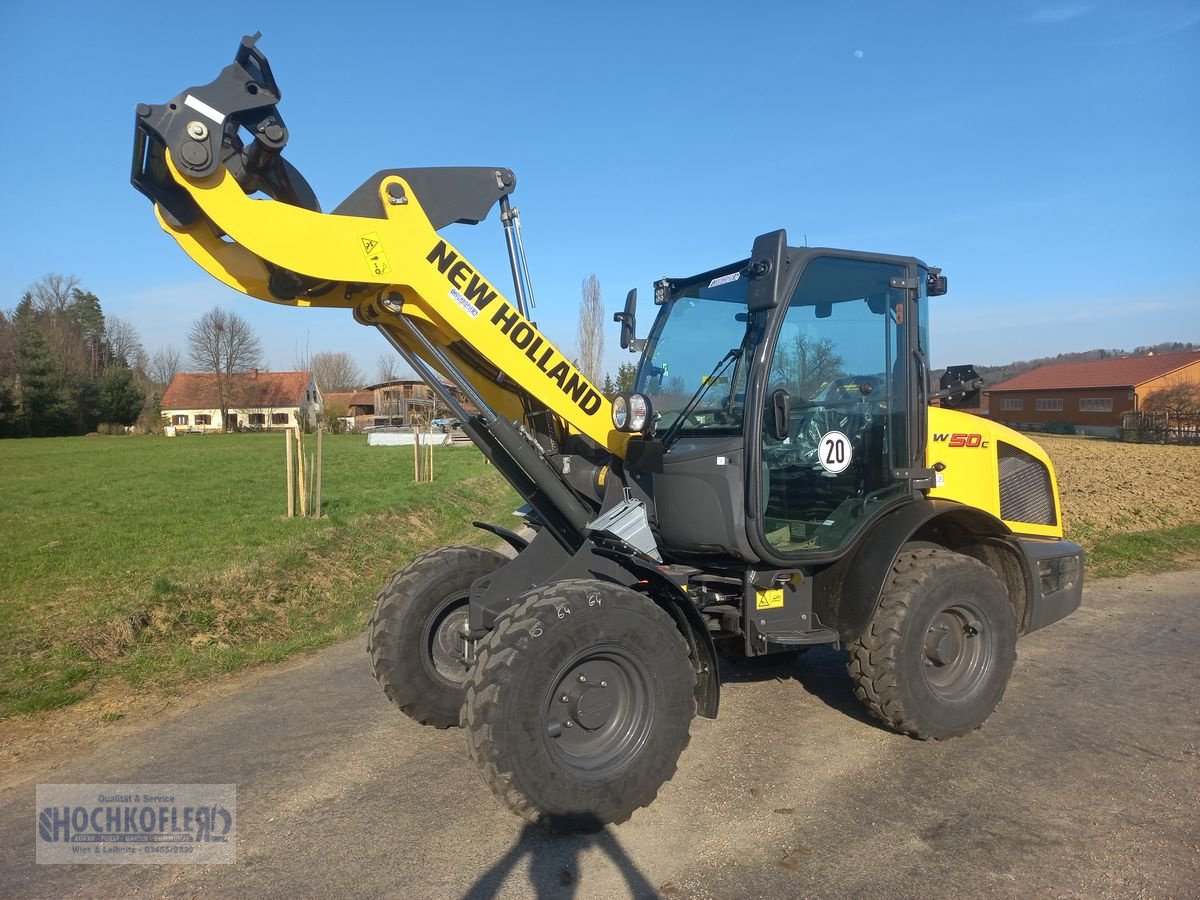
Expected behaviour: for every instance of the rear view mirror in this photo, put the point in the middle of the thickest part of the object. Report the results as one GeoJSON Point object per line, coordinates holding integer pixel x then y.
{"type": "Point", "coordinates": [628, 320]}
{"type": "Point", "coordinates": [767, 260]}
{"type": "Point", "coordinates": [935, 284]}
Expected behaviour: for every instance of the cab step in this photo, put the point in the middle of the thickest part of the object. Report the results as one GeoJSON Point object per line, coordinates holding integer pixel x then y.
{"type": "Point", "coordinates": [801, 638]}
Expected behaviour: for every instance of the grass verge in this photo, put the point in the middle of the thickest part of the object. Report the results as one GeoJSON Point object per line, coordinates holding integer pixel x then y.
{"type": "Point", "coordinates": [1161, 550]}
{"type": "Point", "coordinates": [157, 562]}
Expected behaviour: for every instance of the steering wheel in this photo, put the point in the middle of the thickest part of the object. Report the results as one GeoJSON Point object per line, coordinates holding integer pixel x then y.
{"type": "Point", "coordinates": [837, 413]}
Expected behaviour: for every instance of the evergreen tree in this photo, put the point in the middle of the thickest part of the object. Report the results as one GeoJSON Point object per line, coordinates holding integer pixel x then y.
{"type": "Point", "coordinates": [626, 376]}
{"type": "Point", "coordinates": [47, 411]}
{"type": "Point", "coordinates": [83, 404]}
{"type": "Point", "coordinates": [120, 400]}
{"type": "Point", "coordinates": [89, 318]}
{"type": "Point", "coordinates": [11, 424]}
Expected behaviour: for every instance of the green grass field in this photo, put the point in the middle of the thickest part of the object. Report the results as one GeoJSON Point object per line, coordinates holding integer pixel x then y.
{"type": "Point", "coordinates": [159, 560]}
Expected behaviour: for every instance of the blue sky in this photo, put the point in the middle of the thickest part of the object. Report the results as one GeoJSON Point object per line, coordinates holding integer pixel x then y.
{"type": "Point", "coordinates": [1045, 154]}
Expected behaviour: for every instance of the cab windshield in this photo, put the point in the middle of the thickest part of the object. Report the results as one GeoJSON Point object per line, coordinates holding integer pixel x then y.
{"type": "Point", "coordinates": [694, 356]}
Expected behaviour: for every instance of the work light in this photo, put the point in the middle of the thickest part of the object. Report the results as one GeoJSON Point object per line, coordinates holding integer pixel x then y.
{"type": "Point", "coordinates": [631, 411]}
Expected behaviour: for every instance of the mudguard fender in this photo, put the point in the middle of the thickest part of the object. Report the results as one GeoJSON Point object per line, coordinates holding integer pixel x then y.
{"type": "Point", "coordinates": [848, 592]}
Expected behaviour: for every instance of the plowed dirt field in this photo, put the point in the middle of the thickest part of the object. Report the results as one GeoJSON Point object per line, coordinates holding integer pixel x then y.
{"type": "Point", "coordinates": [1108, 487]}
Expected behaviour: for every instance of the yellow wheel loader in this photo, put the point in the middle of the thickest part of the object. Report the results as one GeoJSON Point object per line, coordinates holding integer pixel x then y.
{"type": "Point", "coordinates": [779, 477]}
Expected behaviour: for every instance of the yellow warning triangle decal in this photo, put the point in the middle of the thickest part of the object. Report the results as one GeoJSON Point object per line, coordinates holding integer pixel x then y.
{"type": "Point", "coordinates": [368, 244]}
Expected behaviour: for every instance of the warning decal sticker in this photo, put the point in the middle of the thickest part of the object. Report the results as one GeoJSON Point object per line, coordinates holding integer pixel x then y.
{"type": "Point", "coordinates": [772, 599]}
{"type": "Point", "coordinates": [376, 259]}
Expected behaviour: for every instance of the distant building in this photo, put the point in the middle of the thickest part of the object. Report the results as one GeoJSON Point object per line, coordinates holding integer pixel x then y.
{"type": "Point", "coordinates": [257, 400]}
{"type": "Point", "coordinates": [1092, 396]}
{"type": "Point", "coordinates": [406, 401]}
{"type": "Point", "coordinates": [359, 408]}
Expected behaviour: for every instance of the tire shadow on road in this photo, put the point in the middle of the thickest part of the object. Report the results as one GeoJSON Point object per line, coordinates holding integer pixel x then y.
{"type": "Point", "coordinates": [554, 864]}
{"type": "Point", "coordinates": [821, 671]}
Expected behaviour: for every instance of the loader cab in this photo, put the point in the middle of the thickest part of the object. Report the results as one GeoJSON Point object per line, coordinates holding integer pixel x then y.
{"type": "Point", "coordinates": [790, 421]}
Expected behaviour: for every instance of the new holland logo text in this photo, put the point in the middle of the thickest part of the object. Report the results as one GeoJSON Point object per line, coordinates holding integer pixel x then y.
{"type": "Point", "coordinates": [470, 285]}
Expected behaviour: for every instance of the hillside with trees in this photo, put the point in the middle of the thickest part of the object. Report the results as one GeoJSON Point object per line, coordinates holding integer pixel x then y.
{"type": "Point", "coordinates": [993, 375]}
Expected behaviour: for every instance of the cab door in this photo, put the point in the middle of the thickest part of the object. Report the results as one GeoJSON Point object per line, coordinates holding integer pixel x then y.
{"type": "Point", "coordinates": [841, 355]}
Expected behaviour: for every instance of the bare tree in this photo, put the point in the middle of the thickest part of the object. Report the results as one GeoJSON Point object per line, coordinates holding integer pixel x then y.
{"type": "Point", "coordinates": [386, 368]}
{"type": "Point", "coordinates": [1179, 402]}
{"type": "Point", "coordinates": [71, 322]}
{"type": "Point", "coordinates": [805, 365]}
{"type": "Point", "coordinates": [53, 293]}
{"type": "Point", "coordinates": [590, 335]}
{"type": "Point", "coordinates": [124, 345]}
{"type": "Point", "coordinates": [164, 366]}
{"type": "Point", "coordinates": [335, 371]}
{"type": "Point", "coordinates": [224, 344]}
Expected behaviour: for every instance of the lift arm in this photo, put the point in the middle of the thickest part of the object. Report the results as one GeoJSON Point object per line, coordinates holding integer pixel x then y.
{"type": "Point", "coordinates": [378, 254]}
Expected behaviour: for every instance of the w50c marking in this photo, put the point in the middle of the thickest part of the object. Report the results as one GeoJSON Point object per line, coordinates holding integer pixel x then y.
{"type": "Point", "coordinates": [961, 440]}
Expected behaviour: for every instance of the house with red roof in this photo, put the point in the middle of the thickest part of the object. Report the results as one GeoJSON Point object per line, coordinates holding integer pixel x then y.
{"type": "Point", "coordinates": [357, 403]}
{"type": "Point", "coordinates": [256, 400]}
{"type": "Point", "coordinates": [1093, 395]}
{"type": "Point", "coordinates": [355, 409]}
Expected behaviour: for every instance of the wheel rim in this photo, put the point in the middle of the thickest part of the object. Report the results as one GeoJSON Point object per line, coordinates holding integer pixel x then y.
{"type": "Point", "coordinates": [959, 651]}
{"type": "Point", "coordinates": [600, 711]}
{"type": "Point", "coordinates": [444, 640]}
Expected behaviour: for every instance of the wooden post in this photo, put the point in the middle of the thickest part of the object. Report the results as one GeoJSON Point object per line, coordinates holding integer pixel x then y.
{"type": "Point", "coordinates": [430, 453]}
{"type": "Point", "coordinates": [320, 462]}
{"type": "Point", "coordinates": [301, 475]}
{"type": "Point", "coordinates": [291, 478]}
{"type": "Point", "coordinates": [416, 454]}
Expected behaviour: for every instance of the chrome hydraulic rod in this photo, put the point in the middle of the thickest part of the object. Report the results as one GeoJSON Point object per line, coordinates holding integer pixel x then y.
{"type": "Point", "coordinates": [512, 225]}
{"type": "Point", "coordinates": [524, 263]}
{"type": "Point", "coordinates": [506, 434]}
{"type": "Point", "coordinates": [426, 374]}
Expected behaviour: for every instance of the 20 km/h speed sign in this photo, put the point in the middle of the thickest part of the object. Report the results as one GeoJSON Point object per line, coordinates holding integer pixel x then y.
{"type": "Point", "coordinates": [835, 452]}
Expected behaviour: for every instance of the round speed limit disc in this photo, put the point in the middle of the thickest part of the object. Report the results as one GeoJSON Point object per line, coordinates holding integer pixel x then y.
{"type": "Point", "coordinates": [835, 452]}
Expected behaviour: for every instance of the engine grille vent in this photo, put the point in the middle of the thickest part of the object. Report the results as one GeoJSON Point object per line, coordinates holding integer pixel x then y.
{"type": "Point", "coordinates": [1025, 494]}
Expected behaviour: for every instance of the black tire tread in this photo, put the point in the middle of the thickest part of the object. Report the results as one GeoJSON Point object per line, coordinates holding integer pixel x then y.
{"type": "Point", "coordinates": [872, 661]}
{"type": "Point", "coordinates": [494, 659]}
{"type": "Point", "coordinates": [385, 626]}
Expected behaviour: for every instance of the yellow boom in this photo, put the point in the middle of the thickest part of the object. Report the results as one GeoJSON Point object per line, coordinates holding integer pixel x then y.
{"type": "Point", "coordinates": [393, 271]}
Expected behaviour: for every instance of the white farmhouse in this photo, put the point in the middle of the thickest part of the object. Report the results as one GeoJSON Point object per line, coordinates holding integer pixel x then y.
{"type": "Point", "coordinates": [257, 400]}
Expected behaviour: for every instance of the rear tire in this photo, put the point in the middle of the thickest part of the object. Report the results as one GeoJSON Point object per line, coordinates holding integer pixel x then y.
{"type": "Point", "coordinates": [414, 639]}
{"type": "Point", "coordinates": [579, 704]}
{"type": "Point", "coordinates": [937, 656]}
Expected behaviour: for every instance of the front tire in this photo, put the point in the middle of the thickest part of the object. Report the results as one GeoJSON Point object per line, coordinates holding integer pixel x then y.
{"type": "Point", "coordinates": [937, 656]}
{"type": "Point", "coordinates": [580, 704]}
{"type": "Point", "coordinates": [415, 638]}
